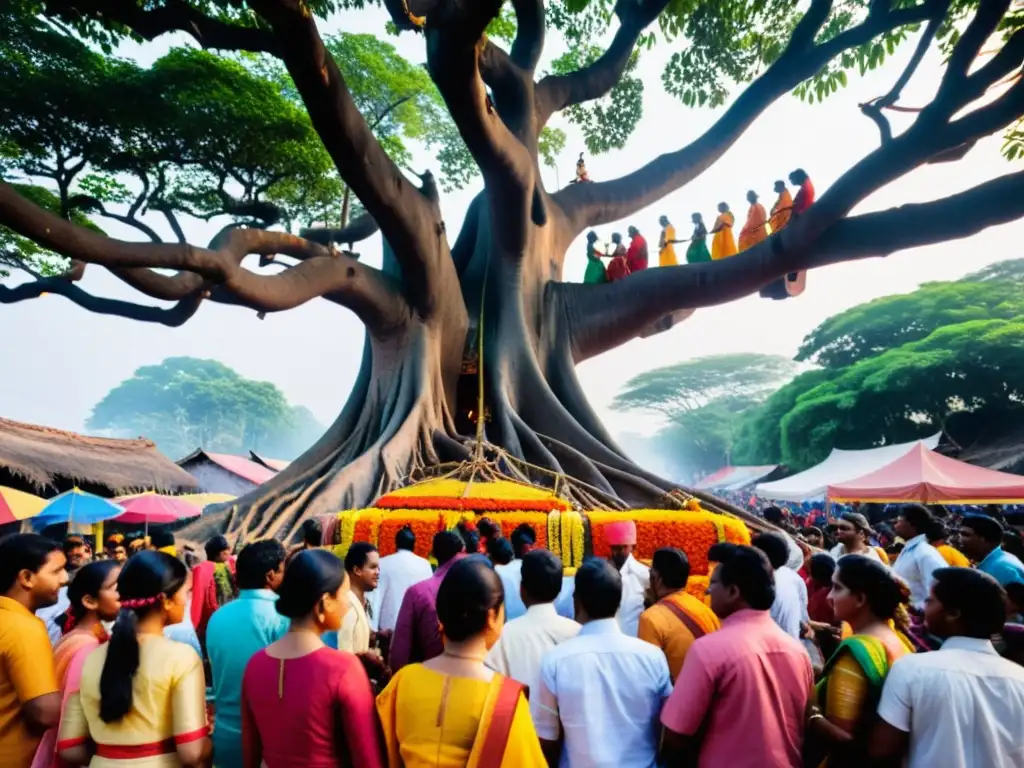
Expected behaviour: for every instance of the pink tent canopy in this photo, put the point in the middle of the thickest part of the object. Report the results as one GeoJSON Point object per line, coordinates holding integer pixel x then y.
{"type": "Point", "coordinates": [931, 478]}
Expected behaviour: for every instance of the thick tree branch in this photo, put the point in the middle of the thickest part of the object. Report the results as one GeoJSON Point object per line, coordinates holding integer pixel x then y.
{"type": "Point", "coordinates": [602, 317]}
{"type": "Point", "coordinates": [454, 42]}
{"type": "Point", "coordinates": [589, 205]}
{"type": "Point", "coordinates": [529, 41]}
{"type": "Point", "coordinates": [171, 16]}
{"type": "Point", "coordinates": [556, 92]}
{"type": "Point", "coordinates": [873, 109]}
{"type": "Point", "coordinates": [412, 222]}
{"type": "Point", "coordinates": [366, 291]}
{"type": "Point", "coordinates": [173, 317]}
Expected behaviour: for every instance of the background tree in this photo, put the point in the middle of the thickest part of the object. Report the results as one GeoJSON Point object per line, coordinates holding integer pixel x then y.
{"type": "Point", "coordinates": [496, 288]}
{"type": "Point", "coordinates": [703, 399]}
{"type": "Point", "coordinates": [184, 403]}
{"type": "Point", "coordinates": [946, 357]}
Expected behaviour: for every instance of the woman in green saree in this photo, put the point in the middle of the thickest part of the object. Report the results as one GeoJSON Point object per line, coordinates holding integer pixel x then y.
{"type": "Point", "coordinates": [698, 252]}
{"type": "Point", "coordinates": [596, 272]}
{"type": "Point", "coordinates": [866, 595]}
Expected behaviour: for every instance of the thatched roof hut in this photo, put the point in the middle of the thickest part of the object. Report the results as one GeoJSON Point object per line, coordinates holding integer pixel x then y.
{"type": "Point", "coordinates": [48, 461]}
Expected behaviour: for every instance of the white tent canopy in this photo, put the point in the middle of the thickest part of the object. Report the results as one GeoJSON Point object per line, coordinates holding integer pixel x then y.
{"type": "Point", "coordinates": [840, 467]}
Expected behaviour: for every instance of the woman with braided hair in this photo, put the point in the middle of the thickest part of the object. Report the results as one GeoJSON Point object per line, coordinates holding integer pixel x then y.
{"type": "Point", "coordinates": [93, 600]}
{"type": "Point", "coordinates": [142, 697]}
{"type": "Point", "coordinates": [872, 600]}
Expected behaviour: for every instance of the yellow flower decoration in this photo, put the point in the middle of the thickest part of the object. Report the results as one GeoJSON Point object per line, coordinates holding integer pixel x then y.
{"type": "Point", "coordinates": [555, 533]}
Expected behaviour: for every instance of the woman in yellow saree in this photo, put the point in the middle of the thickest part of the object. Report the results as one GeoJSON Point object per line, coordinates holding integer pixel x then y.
{"type": "Point", "coordinates": [452, 711]}
{"type": "Point", "coordinates": [724, 244]}
{"type": "Point", "coordinates": [867, 596]}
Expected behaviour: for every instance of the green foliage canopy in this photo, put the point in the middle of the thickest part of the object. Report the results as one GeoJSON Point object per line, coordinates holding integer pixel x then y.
{"type": "Point", "coordinates": [882, 324]}
{"type": "Point", "coordinates": [703, 399]}
{"type": "Point", "coordinates": [947, 356]}
{"type": "Point", "coordinates": [185, 403]}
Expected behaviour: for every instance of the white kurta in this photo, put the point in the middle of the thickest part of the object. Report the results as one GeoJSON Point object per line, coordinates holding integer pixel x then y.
{"type": "Point", "coordinates": [354, 635]}
{"type": "Point", "coordinates": [398, 572]}
{"type": "Point", "coordinates": [635, 579]}
{"type": "Point", "coordinates": [525, 640]}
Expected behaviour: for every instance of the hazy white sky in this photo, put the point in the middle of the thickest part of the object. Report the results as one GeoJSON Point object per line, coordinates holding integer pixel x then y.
{"type": "Point", "coordinates": [59, 360]}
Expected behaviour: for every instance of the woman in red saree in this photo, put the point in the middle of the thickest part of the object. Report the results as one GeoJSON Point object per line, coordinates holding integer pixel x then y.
{"type": "Point", "coordinates": [305, 705]}
{"type": "Point", "coordinates": [94, 599]}
{"type": "Point", "coordinates": [452, 711]}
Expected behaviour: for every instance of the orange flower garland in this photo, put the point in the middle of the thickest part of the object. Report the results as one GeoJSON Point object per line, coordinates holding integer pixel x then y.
{"type": "Point", "coordinates": [692, 531]}
{"type": "Point", "coordinates": [537, 520]}
{"type": "Point", "coordinates": [557, 527]}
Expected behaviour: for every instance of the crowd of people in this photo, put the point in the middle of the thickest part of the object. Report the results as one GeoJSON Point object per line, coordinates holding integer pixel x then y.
{"type": "Point", "coordinates": [624, 261]}
{"type": "Point", "coordinates": [798, 656]}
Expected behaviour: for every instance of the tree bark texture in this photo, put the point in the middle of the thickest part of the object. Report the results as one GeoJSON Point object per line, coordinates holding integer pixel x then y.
{"type": "Point", "coordinates": [490, 313]}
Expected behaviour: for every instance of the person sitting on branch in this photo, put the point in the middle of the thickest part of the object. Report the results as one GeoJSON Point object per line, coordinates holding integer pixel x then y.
{"type": "Point", "coordinates": [804, 197]}
{"type": "Point", "coordinates": [636, 256]}
{"type": "Point", "coordinates": [783, 207]}
{"type": "Point", "coordinates": [618, 268]}
{"type": "Point", "coordinates": [723, 245]}
{"type": "Point", "coordinates": [582, 177]}
{"type": "Point", "coordinates": [794, 283]}
{"type": "Point", "coordinates": [755, 230]}
{"type": "Point", "coordinates": [697, 252]}
{"type": "Point", "coordinates": [666, 244]}
{"type": "Point", "coordinates": [596, 272]}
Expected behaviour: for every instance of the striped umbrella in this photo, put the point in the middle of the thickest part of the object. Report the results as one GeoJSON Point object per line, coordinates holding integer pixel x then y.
{"type": "Point", "coordinates": [18, 505]}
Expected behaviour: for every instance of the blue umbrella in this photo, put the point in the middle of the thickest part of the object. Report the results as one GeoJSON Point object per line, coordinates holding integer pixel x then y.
{"type": "Point", "coordinates": [77, 506]}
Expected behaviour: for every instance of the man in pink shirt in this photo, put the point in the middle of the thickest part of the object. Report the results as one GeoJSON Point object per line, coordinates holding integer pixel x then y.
{"type": "Point", "coordinates": [417, 633]}
{"type": "Point", "coordinates": [741, 697]}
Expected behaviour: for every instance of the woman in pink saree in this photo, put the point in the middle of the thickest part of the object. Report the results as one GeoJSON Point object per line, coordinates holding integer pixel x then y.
{"type": "Point", "coordinates": [94, 600]}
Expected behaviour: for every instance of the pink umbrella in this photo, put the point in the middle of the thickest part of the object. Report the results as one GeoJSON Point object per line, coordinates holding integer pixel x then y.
{"type": "Point", "coordinates": [155, 508]}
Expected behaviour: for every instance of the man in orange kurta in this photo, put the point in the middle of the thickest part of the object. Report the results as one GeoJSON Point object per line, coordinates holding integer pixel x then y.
{"type": "Point", "coordinates": [783, 207]}
{"type": "Point", "coordinates": [678, 618]}
{"type": "Point", "coordinates": [756, 229]}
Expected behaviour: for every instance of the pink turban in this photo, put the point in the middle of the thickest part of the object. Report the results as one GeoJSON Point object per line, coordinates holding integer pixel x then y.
{"type": "Point", "coordinates": [620, 533]}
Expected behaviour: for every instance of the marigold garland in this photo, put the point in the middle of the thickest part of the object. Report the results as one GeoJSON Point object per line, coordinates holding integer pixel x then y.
{"type": "Point", "coordinates": [423, 525]}
{"type": "Point", "coordinates": [347, 524]}
{"type": "Point", "coordinates": [698, 587]}
{"type": "Point", "coordinates": [555, 534]}
{"type": "Point", "coordinates": [470, 504]}
{"type": "Point", "coordinates": [538, 521]}
{"type": "Point", "coordinates": [692, 531]}
{"type": "Point", "coordinates": [568, 533]}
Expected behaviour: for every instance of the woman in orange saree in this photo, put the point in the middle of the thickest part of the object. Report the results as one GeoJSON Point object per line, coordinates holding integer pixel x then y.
{"type": "Point", "coordinates": [724, 244]}
{"type": "Point", "coordinates": [783, 208]}
{"type": "Point", "coordinates": [452, 711]}
{"type": "Point", "coordinates": [94, 600]}
{"type": "Point", "coordinates": [755, 230]}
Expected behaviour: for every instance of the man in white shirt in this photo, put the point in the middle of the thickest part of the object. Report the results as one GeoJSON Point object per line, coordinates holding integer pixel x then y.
{"type": "Point", "coordinates": [636, 577]}
{"type": "Point", "coordinates": [599, 696]}
{"type": "Point", "coordinates": [525, 640]}
{"type": "Point", "coordinates": [524, 539]}
{"type": "Point", "coordinates": [789, 610]}
{"type": "Point", "coordinates": [961, 706]}
{"type": "Point", "coordinates": [919, 559]}
{"type": "Point", "coordinates": [398, 572]}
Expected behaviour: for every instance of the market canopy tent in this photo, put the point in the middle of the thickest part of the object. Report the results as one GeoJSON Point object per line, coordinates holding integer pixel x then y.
{"type": "Point", "coordinates": [735, 478]}
{"type": "Point", "coordinates": [931, 478]}
{"type": "Point", "coordinates": [840, 467]}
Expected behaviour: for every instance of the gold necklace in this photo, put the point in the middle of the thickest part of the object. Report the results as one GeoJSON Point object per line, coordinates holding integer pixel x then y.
{"type": "Point", "coordinates": [464, 656]}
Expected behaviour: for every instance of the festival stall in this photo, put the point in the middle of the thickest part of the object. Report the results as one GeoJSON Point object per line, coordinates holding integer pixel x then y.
{"type": "Point", "coordinates": [930, 478]}
{"type": "Point", "coordinates": [736, 478]}
{"type": "Point", "coordinates": [438, 505]}
{"type": "Point", "coordinates": [840, 467]}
